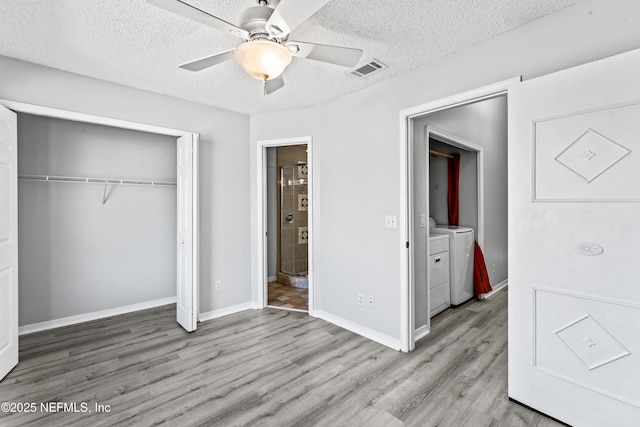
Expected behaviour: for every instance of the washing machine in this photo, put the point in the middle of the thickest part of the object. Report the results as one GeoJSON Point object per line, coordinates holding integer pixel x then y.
{"type": "Point", "coordinates": [461, 251]}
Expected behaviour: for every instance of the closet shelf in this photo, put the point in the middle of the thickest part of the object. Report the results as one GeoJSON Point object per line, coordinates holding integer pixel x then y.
{"type": "Point", "coordinates": [438, 153]}
{"type": "Point", "coordinates": [83, 180]}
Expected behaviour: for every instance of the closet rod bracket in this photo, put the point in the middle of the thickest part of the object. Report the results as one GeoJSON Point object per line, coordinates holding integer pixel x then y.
{"type": "Point", "coordinates": [104, 193]}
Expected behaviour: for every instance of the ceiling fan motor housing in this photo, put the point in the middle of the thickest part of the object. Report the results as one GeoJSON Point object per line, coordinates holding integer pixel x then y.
{"type": "Point", "coordinates": [253, 20]}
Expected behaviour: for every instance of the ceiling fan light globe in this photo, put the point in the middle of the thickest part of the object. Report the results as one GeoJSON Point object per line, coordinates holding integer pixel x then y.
{"type": "Point", "coordinates": [263, 59]}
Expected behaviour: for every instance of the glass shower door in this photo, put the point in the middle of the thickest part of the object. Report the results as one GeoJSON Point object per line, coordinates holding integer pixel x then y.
{"type": "Point", "coordinates": [294, 233]}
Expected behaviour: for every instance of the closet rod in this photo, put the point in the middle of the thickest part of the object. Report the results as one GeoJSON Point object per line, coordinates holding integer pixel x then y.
{"type": "Point", "coordinates": [82, 180]}
{"type": "Point", "coordinates": [437, 153]}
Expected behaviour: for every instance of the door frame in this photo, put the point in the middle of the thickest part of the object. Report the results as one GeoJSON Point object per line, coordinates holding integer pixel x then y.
{"type": "Point", "coordinates": [407, 258]}
{"type": "Point", "coordinates": [260, 237]}
{"type": "Point", "coordinates": [458, 142]}
{"type": "Point", "coordinates": [58, 113]}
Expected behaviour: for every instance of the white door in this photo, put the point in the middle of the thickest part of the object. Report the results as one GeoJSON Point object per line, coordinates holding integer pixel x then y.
{"type": "Point", "coordinates": [574, 232]}
{"type": "Point", "coordinates": [8, 242]}
{"type": "Point", "coordinates": [187, 243]}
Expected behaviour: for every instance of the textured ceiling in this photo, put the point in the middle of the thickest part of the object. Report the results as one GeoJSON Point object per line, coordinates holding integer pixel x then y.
{"type": "Point", "coordinates": [133, 43]}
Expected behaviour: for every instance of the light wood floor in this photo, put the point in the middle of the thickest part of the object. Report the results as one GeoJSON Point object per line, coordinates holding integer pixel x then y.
{"type": "Point", "coordinates": [268, 368]}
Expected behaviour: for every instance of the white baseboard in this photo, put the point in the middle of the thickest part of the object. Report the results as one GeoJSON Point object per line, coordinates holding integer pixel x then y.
{"type": "Point", "coordinates": [421, 332]}
{"type": "Point", "coordinates": [87, 317]}
{"type": "Point", "coordinates": [272, 278]}
{"type": "Point", "coordinates": [358, 329]}
{"type": "Point", "coordinates": [202, 317]}
{"type": "Point", "coordinates": [497, 288]}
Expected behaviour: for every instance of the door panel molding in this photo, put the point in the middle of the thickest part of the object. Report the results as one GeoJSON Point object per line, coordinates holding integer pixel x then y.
{"type": "Point", "coordinates": [607, 324]}
{"type": "Point", "coordinates": [591, 139]}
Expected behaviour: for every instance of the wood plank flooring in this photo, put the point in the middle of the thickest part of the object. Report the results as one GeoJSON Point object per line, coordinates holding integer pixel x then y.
{"type": "Point", "coordinates": [267, 368]}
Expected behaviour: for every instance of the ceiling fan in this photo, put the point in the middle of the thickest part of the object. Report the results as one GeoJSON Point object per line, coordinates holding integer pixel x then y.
{"type": "Point", "coordinates": [266, 50]}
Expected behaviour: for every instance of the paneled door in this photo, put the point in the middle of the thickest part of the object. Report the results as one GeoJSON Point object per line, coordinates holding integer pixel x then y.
{"type": "Point", "coordinates": [8, 242]}
{"type": "Point", "coordinates": [574, 232]}
{"type": "Point", "coordinates": [186, 305]}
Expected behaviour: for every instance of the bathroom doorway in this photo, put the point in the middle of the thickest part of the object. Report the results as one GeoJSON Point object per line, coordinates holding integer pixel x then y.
{"type": "Point", "coordinates": [287, 227]}
{"type": "Point", "coordinates": [286, 211]}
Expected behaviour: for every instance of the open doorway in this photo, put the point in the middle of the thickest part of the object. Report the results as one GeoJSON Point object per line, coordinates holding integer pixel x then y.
{"type": "Point", "coordinates": [469, 125]}
{"type": "Point", "coordinates": [287, 227]}
{"type": "Point", "coordinates": [450, 251]}
{"type": "Point", "coordinates": [285, 224]}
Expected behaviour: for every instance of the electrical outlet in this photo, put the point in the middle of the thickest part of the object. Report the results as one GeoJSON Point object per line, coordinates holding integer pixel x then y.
{"type": "Point", "coordinates": [423, 221]}
{"type": "Point", "coordinates": [390, 221]}
{"type": "Point", "coordinates": [372, 302]}
{"type": "Point", "coordinates": [360, 299]}
{"type": "Point", "coordinates": [494, 268]}
{"type": "Point", "coordinates": [218, 285]}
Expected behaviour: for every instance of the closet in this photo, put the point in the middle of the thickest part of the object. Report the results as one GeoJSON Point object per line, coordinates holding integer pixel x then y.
{"type": "Point", "coordinates": [478, 133]}
{"type": "Point", "coordinates": [97, 218]}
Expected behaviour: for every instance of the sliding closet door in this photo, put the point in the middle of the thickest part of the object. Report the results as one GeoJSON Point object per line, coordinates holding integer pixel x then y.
{"type": "Point", "coordinates": [187, 267]}
{"type": "Point", "coordinates": [574, 228]}
{"type": "Point", "coordinates": [8, 242]}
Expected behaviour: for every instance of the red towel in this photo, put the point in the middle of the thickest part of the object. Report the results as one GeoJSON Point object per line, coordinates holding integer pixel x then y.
{"type": "Point", "coordinates": [481, 282]}
{"type": "Point", "coordinates": [453, 188]}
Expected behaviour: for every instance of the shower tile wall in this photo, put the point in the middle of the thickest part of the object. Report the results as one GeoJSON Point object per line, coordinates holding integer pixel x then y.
{"type": "Point", "coordinates": [293, 253]}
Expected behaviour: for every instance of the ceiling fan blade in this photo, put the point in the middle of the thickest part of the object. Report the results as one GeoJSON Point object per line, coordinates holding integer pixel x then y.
{"type": "Point", "coordinates": [208, 61]}
{"type": "Point", "coordinates": [273, 85]}
{"type": "Point", "coordinates": [345, 56]}
{"type": "Point", "coordinates": [183, 9]}
{"type": "Point", "coordinates": [291, 13]}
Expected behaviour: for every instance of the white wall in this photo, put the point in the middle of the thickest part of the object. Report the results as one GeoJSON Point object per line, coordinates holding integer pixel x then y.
{"type": "Point", "coordinates": [78, 255]}
{"type": "Point", "coordinates": [357, 152]}
{"type": "Point", "coordinates": [224, 150]}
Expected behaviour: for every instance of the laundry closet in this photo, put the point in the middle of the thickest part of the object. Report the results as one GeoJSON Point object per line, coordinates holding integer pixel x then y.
{"type": "Point", "coordinates": [96, 219]}
{"type": "Point", "coordinates": [459, 159]}
{"type": "Point", "coordinates": [453, 223]}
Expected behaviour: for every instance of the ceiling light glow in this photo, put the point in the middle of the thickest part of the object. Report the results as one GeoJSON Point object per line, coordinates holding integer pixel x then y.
{"type": "Point", "coordinates": [263, 59]}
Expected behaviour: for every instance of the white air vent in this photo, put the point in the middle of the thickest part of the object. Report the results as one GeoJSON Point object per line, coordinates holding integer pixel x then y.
{"type": "Point", "coordinates": [369, 68]}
